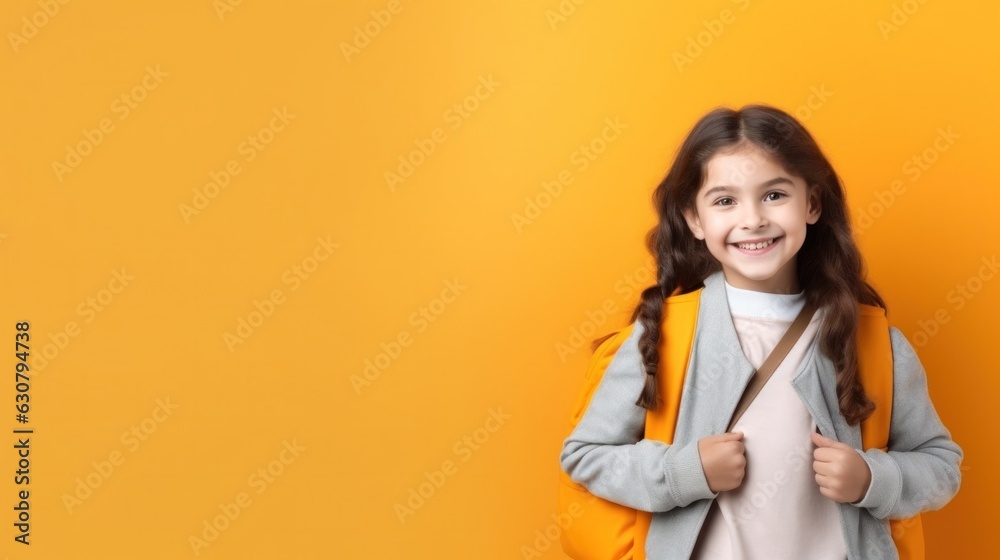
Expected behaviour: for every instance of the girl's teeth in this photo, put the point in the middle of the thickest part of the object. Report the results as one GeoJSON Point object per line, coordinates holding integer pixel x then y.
{"type": "Point", "coordinates": [751, 246]}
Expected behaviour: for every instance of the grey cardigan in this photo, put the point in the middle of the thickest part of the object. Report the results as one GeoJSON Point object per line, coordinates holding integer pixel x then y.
{"type": "Point", "coordinates": [608, 454]}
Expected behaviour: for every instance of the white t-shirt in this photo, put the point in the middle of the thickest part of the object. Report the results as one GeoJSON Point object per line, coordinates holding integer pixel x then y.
{"type": "Point", "coordinates": [777, 512]}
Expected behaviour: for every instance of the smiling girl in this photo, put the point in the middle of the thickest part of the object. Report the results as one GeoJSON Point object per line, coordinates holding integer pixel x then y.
{"type": "Point", "coordinates": [752, 213]}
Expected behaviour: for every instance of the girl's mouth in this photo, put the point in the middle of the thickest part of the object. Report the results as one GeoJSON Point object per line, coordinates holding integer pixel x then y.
{"type": "Point", "coordinates": [757, 248]}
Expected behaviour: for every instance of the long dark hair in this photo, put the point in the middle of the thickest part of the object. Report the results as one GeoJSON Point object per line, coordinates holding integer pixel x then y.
{"type": "Point", "coordinates": [830, 267]}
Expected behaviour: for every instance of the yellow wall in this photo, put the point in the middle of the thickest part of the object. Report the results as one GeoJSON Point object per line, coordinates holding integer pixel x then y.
{"type": "Point", "coordinates": [170, 171]}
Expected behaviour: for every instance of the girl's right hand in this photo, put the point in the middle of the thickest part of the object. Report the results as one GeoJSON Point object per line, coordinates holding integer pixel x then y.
{"type": "Point", "coordinates": [722, 460]}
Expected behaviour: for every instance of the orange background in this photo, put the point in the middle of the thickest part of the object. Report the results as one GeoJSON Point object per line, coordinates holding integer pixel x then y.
{"type": "Point", "coordinates": [462, 303]}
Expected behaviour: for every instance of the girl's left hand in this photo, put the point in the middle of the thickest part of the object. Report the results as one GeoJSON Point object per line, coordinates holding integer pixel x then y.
{"type": "Point", "coordinates": [842, 475]}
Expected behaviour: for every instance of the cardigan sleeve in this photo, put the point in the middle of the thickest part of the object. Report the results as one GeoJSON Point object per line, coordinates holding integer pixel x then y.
{"type": "Point", "coordinates": [608, 455]}
{"type": "Point", "coordinates": [921, 470]}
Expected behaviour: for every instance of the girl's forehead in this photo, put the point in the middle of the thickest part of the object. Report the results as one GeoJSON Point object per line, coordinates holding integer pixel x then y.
{"type": "Point", "coordinates": [744, 165]}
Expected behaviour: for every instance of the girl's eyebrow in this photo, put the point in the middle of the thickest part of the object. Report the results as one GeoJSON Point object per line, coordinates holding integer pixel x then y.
{"type": "Point", "coordinates": [764, 185]}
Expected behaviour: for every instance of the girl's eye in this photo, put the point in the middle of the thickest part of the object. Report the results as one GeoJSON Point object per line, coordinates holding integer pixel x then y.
{"type": "Point", "coordinates": [726, 201]}
{"type": "Point", "coordinates": [772, 196]}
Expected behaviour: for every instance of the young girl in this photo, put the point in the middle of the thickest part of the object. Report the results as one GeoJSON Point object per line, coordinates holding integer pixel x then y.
{"type": "Point", "coordinates": [752, 211]}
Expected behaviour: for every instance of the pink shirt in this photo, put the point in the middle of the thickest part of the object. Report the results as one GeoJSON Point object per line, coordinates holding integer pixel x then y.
{"type": "Point", "coordinates": [777, 512]}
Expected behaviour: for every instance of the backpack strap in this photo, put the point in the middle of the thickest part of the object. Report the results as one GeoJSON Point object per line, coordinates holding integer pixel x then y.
{"type": "Point", "coordinates": [676, 341]}
{"type": "Point", "coordinates": [876, 372]}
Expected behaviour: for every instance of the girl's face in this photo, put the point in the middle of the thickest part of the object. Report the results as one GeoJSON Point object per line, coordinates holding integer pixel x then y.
{"type": "Point", "coordinates": [752, 216]}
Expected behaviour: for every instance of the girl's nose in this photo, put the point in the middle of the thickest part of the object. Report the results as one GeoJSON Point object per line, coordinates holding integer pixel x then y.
{"type": "Point", "coordinates": [752, 218]}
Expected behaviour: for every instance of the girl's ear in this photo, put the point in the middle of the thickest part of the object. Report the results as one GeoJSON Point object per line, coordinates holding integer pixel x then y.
{"type": "Point", "coordinates": [814, 207]}
{"type": "Point", "coordinates": [694, 223]}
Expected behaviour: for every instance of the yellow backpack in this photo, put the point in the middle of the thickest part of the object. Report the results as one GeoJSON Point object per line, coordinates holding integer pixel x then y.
{"type": "Point", "coordinates": [604, 530]}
